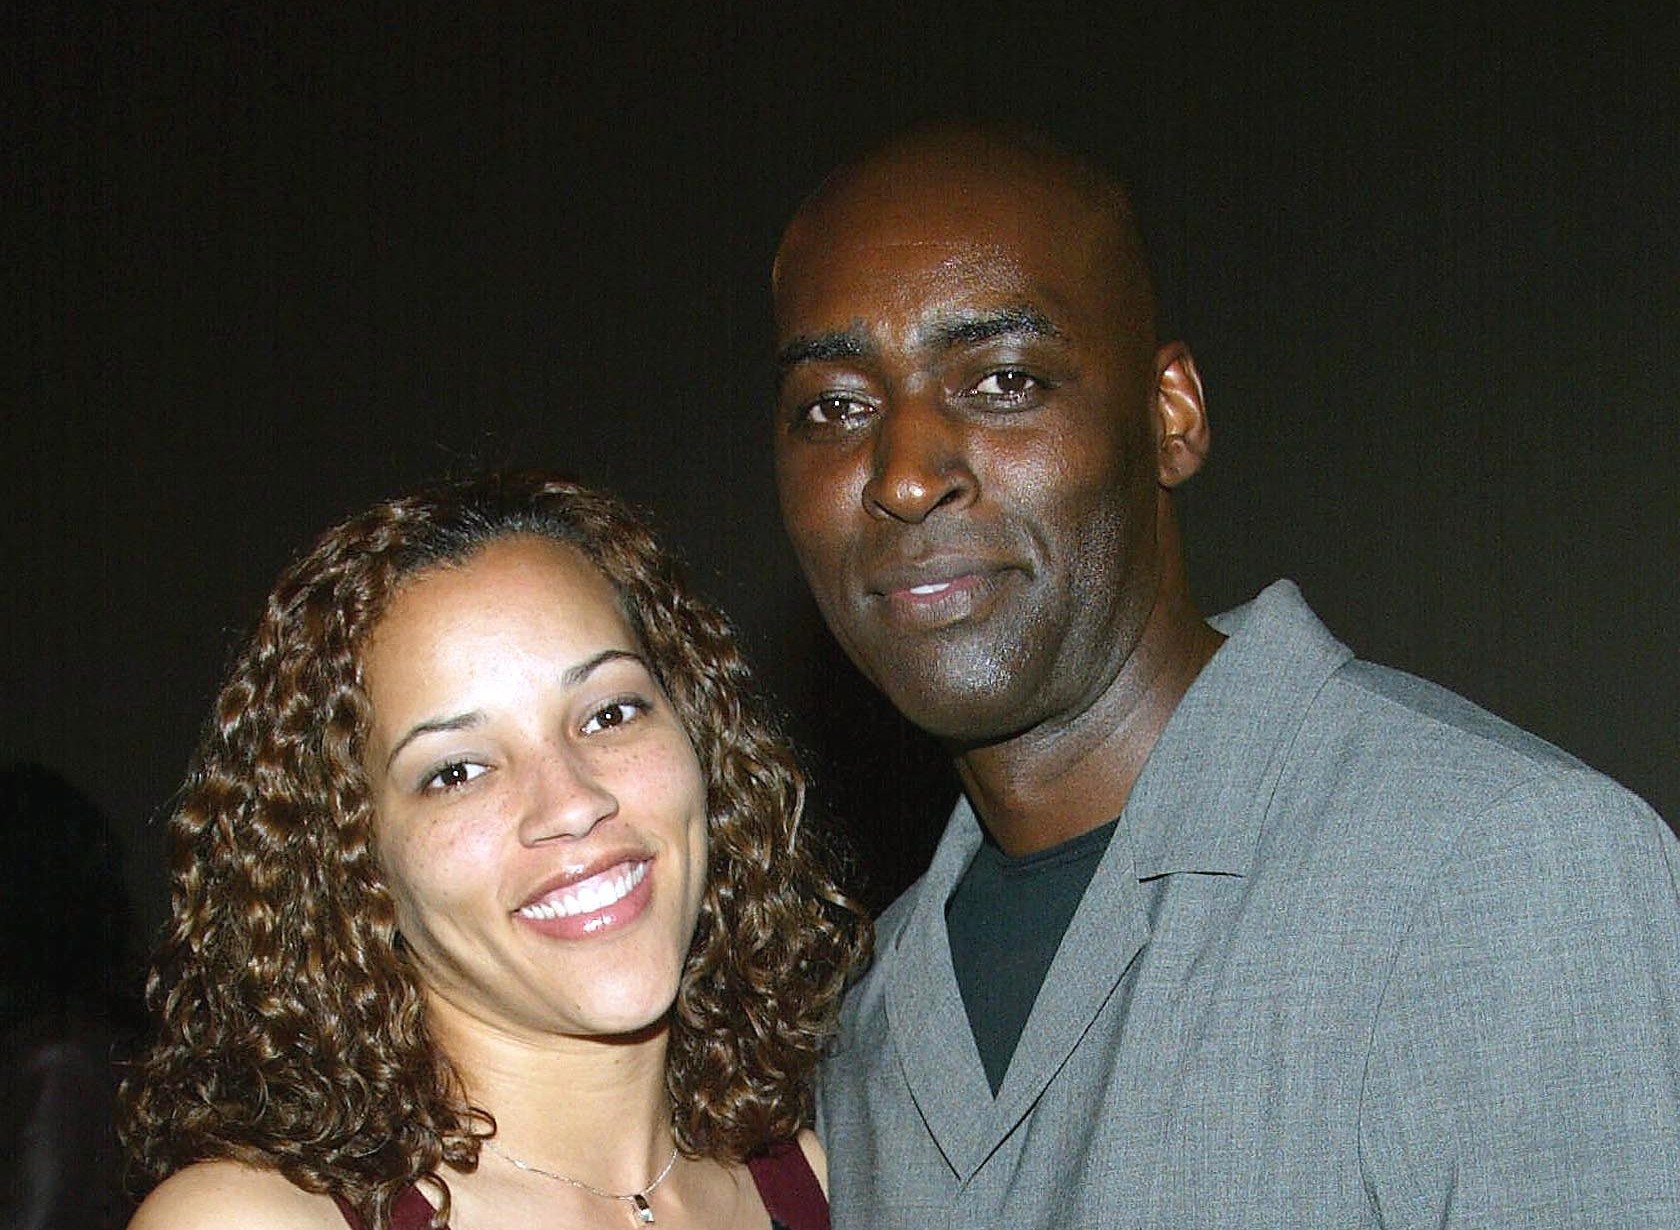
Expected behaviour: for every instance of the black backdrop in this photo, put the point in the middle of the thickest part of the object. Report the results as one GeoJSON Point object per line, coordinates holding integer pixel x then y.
{"type": "Point", "coordinates": [271, 264]}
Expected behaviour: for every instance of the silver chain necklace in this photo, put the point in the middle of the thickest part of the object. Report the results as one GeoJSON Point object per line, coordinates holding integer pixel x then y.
{"type": "Point", "coordinates": [638, 1201]}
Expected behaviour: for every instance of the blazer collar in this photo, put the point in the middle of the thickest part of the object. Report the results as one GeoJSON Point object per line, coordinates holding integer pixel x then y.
{"type": "Point", "coordinates": [1201, 800]}
{"type": "Point", "coordinates": [1198, 806]}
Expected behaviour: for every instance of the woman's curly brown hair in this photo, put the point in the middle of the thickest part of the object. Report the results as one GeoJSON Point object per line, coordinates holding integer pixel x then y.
{"type": "Point", "coordinates": [291, 1028]}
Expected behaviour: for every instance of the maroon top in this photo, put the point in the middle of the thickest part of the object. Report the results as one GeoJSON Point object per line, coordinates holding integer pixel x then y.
{"type": "Point", "coordinates": [789, 1188]}
{"type": "Point", "coordinates": [785, 1182]}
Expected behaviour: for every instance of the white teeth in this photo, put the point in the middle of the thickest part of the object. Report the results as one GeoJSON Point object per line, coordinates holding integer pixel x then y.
{"type": "Point", "coordinates": [593, 894]}
{"type": "Point", "coordinates": [935, 588]}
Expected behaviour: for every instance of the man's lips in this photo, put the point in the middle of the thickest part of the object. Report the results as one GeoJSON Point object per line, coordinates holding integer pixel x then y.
{"type": "Point", "coordinates": [588, 895]}
{"type": "Point", "coordinates": [932, 591]}
{"type": "Point", "coordinates": [937, 593]}
{"type": "Point", "coordinates": [933, 577]}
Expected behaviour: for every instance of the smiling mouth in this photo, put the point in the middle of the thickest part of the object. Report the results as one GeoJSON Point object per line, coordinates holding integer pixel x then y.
{"type": "Point", "coordinates": [930, 603]}
{"type": "Point", "coordinates": [587, 896]}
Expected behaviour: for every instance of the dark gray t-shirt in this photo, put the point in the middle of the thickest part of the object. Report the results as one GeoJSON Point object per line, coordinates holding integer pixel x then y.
{"type": "Point", "coordinates": [1006, 920]}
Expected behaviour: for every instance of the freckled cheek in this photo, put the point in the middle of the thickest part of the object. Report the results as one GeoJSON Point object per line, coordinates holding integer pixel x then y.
{"type": "Point", "coordinates": [433, 871]}
{"type": "Point", "coordinates": [678, 793]}
{"type": "Point", "coordinates": [659, 776]}
{"type": "Point", "coordinates": [699, 853]}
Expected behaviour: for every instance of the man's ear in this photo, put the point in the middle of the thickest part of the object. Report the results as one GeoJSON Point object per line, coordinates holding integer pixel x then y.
{"type": "Point", "coordinates": [1182, 436]}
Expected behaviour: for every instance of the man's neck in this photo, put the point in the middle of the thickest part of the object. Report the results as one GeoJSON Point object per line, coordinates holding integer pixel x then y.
{"type": "Point", "coordinates": [1054, 782]}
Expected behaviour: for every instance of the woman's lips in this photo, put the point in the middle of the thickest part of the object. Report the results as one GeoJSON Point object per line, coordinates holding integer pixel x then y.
{"type": "Point", "coordinates": [586, 896]}
{"type": "Point", "coordinates": [608, 898]}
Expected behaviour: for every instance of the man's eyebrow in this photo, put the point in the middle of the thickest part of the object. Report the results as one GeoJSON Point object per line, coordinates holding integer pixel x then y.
{"type": "Point", "coordinates": [965, 330]}
{"type": "Point", "coordinates": [969, 330]}
{"type": "Point", "coordinates": [824, 348]}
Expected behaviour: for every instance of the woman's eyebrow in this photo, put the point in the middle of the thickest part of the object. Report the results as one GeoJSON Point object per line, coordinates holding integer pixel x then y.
{"type": "Point", "coordinates": [575, 675]}
{"type": "Point", "coordinates": [432, 726]}
{"type": "Point", "coordinates": [572, 676]}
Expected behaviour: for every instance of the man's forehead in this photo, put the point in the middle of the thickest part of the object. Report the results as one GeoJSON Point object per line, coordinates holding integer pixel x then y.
{"type": "Point", "coordinates": [933, 231]}
{"type": "Point", "coordinates": [958, 215]}
{"type": "Point", "coordinates": [928, 258]}
{"type": "Point", "coordinates": [985, 234]}
{"type": "Point", "coordinates": [898, 279]}
{"type": "Point", "coordinates": [915, 281]}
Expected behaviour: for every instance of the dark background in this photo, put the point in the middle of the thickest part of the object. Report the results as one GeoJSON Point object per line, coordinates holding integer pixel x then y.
{"type": "Point", "coordinates": [269, 264]}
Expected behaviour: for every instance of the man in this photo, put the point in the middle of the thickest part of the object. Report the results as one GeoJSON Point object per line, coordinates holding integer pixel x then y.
{"type": "Point", "coordinates": [1224, 932]}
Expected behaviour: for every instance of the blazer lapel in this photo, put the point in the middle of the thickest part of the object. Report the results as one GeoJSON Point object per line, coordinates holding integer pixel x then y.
{"type": "Point", "coordinates": [1103, 940]}
{"type": "Point", "coordinates": [929, 1023]}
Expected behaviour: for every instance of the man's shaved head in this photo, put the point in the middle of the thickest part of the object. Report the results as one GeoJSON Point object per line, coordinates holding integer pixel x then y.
{"type": "Point", "coordinates": [965, 166]}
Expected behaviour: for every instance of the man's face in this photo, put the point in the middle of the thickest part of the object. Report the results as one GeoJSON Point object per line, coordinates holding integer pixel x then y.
{"type": "Point", "coordinates": [965, 449]}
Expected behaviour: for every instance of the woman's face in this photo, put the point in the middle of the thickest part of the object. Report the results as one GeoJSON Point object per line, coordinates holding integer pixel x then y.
{"type": "Point", "coordinates": [541, 814]}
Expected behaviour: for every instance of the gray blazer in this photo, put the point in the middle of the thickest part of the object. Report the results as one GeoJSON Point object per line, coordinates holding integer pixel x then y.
{"type": "Point", "coordinates": [1360, 954]}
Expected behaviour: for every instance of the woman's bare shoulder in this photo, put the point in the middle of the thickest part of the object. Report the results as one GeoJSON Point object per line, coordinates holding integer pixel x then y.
{"type": "Point", "coordinates": [218, 1194]}
{"type": "Point", "coordinates": [813, 1150]}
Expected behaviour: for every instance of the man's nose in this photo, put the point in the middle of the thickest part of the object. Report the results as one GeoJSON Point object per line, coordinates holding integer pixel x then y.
{"type": "Point", "coordinates": [919, 464]}
{"type": "Point", "coordinates": [566, 797]}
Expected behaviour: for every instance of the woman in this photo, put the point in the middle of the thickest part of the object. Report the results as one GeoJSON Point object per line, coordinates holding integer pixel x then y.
{"type": "Point", "coordinates": [491, 903]}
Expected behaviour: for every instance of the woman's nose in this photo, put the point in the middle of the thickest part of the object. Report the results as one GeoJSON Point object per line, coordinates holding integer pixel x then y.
{"type": "Point", "coordinates": [567, 798]}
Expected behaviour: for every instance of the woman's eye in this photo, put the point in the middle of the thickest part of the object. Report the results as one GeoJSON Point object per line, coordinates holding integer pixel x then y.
{"type": "Point", "coordinates": [610, 717]}
{"type": "Point", "coordinates": [1007, 383]}
{"type": "Point", "coordinates": [455, 773]}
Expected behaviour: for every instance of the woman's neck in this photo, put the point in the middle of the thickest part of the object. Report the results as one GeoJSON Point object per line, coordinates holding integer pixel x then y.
{"type": "Point", "coordinates": [595, 1110]}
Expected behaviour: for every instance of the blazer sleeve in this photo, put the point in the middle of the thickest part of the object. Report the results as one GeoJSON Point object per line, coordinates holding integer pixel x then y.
{"type": "Point", "coordinates": [1524, 1066]}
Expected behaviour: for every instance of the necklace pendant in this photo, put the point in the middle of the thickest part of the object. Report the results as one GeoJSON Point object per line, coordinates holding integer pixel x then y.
{"type": "Point", "coordinates": [644, 1210]}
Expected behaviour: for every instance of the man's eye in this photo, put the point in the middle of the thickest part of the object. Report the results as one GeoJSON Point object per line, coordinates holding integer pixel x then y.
{"type": "Point", "coordinates": [455, 773]}
{"type": "Point", "coordinates": [836, 411]}
{"type": "Point", "coordinates": [610, 717]}
{"type": "Point", "coordinates": [1007, 383]}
